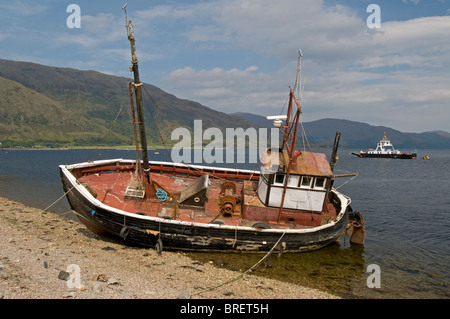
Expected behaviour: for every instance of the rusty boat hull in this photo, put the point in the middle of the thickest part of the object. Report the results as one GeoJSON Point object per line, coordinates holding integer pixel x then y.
{"type": "Point", "coordinates": [290, 205]}
{"type": "Point", "coordinates": [133, 222]}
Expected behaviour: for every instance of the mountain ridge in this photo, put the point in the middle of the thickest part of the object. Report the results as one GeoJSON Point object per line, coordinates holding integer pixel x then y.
{"type": "Point", "coordinates": [320, 133]}
{"type": "Point", "coordinates": [44, 106]}
{"type": "Point", "coordinates": [96, 102]}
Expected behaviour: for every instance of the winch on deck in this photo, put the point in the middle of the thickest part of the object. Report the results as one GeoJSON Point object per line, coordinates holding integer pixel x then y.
{"type": "Point", "coordinates": [228, 199]}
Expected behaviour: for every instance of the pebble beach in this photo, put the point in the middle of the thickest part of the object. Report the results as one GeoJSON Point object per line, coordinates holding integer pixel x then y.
{"type": "Point", "coordinates": [48, 256]}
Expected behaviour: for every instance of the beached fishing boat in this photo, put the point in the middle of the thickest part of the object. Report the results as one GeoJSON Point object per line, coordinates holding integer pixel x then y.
{"type": "Point", "coordinates": [290, 204]}
{"type": "Point", "coordinates": [385, 149]}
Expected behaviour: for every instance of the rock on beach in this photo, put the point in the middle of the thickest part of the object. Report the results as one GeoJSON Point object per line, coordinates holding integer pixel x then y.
{"type": "Point", "coordinates": [48, 256]}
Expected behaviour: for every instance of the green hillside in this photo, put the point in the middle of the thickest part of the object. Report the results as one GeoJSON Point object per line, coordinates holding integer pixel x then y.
{"type": "Point", "coordinates": [31, 119]}
{"type": "Point", "coordinates": [62, 107]}
{"type": "Point", "coordinates": [42, 106]}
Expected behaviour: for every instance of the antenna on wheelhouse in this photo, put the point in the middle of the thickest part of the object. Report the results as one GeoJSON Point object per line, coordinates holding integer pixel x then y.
{"type": "Point", "coordinates": [298, 80]}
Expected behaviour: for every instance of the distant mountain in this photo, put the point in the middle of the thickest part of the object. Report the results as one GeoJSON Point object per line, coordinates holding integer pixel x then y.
{"type": "Point", "coordinates": [29, 118]}
{"type": "Point", "coordinates": [42, 106]}
{"type": "Point", "coordinates": [62, 107]}
{"type": "Point", "coordinates": [321, 133]}
{"type": "Point", "coordinates": [441, 133]}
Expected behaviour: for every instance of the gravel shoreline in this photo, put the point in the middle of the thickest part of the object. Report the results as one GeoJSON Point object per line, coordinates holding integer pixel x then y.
{"type": "Point", "coordinates": [47, 256]}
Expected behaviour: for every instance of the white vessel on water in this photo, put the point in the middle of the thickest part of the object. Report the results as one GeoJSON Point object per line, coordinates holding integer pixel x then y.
{"type": "Point", "coordinates": [385, 149]}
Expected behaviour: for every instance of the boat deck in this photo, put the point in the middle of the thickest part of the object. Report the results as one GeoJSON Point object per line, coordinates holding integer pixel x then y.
{"type": "Point", "coordinates": [109, 187]}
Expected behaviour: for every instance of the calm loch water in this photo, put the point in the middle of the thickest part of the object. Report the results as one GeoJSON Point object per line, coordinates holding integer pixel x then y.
{"type": "Point", "coordinates": [405, 203]}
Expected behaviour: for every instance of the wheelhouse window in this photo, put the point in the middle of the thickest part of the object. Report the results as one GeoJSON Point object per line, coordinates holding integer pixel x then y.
{"type": "Point", "coordinates": [320, 182]}
{"type": "Point", "coordinates": [279, 179]}
{"type": "Point", "coordinates": [306, 181]}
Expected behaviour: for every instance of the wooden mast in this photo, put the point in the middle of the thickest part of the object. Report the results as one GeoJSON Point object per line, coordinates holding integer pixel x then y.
{"type": "Point", "coordinates": [136, 139]}
{"type": "Point", "coordinates": [290, 131]}
{"type": "Point", "coordinates": [289, 141]}
{"type": "Point", "coordinates": [138, 95]}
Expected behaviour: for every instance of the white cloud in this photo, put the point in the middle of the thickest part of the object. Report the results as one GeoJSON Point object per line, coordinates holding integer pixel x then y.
{"type": "Point", "coordinates": [279, 29]}
{"type": "Point", "coordinates": [95, 31]}
{"type": "Point", "coordinates": [24, 8]}
{"type": "Point", "coordinates": [329, 35]}
{"type": "Point", "coordinates": [99, 23]}
{"type": "Point", "coordinates": [349, 69]}
{"type": "Point", "coordinates": [167, 11]}
{"type": "Point", "coordinates": [413, 1]}
{"type": "Point", "coordinates": [397, 72]}
{"type": "Point", "coordinates": [230, 90]}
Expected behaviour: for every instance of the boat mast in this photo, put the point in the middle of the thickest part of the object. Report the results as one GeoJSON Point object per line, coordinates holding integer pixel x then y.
{"type": "Point", "coordinates": [136, 139]}
{"type": "Point", "coordinates": [290, 130]}
{"type": "Point", "coordinates": [298, 80]}
{"type": "Point", "coordinates": [290, 133]}
{"type": "Point", "coordinates": [138, 94]}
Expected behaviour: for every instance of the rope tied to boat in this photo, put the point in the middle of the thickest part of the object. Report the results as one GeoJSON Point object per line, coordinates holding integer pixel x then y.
{"type": "Point", "coordinates": [346, 182]}
{"type": "Point", "coordinates": [59, 198]}
{"type": "Point", "coordinates": [245, 272]}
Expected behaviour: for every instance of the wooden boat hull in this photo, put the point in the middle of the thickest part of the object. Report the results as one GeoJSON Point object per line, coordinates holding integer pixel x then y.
{"type": "Point", "coordinates": [193, 236]}
{"type": "Point", "coordinates": [398, 156]}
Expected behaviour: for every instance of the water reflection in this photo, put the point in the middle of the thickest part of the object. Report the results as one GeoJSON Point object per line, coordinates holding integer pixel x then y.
{"type": "Point", "coordinates": [337, 268]}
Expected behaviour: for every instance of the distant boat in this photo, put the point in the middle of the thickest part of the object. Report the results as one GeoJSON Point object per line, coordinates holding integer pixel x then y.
{"type": "Point", "coordinates": [385, 149]}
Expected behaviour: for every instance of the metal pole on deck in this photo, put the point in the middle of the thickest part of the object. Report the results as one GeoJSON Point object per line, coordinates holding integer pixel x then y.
{"type": "Point", "coordinates": [334, 158]}
{"type": "Point", "coordinates": [138, 95]}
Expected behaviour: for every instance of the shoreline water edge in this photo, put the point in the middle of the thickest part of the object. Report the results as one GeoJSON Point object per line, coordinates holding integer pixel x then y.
{"type": "Point", "coordinates": [44, 255]}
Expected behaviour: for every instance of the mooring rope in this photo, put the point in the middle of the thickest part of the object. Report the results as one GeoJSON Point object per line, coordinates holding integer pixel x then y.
{"type": "Point", "coordinates": [59, 198]}
{"type": "Point", "coordinates": [346, 182]}
{"type": "Point", "coordinates": [241, 274]}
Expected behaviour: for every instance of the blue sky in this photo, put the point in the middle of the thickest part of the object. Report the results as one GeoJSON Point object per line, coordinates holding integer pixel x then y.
{"type": "Point", "coordinates": [241, 55]}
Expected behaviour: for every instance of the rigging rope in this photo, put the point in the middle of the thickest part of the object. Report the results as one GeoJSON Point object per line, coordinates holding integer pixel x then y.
{"type": "Point", "coordinates": [59, 198]}
{"type": "Point", "coordinates": [346, 182]}
{"type": "Point", "coordinates": [110, 129]}
{"type": "Point", "coordinates": [164, 144]}
{"type": "Point", "coordinates": [245, 272]}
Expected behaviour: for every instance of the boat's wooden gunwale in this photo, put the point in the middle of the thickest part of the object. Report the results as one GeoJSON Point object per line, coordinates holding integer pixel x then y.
{"type": "Point", "coordinates": [74, 183]}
